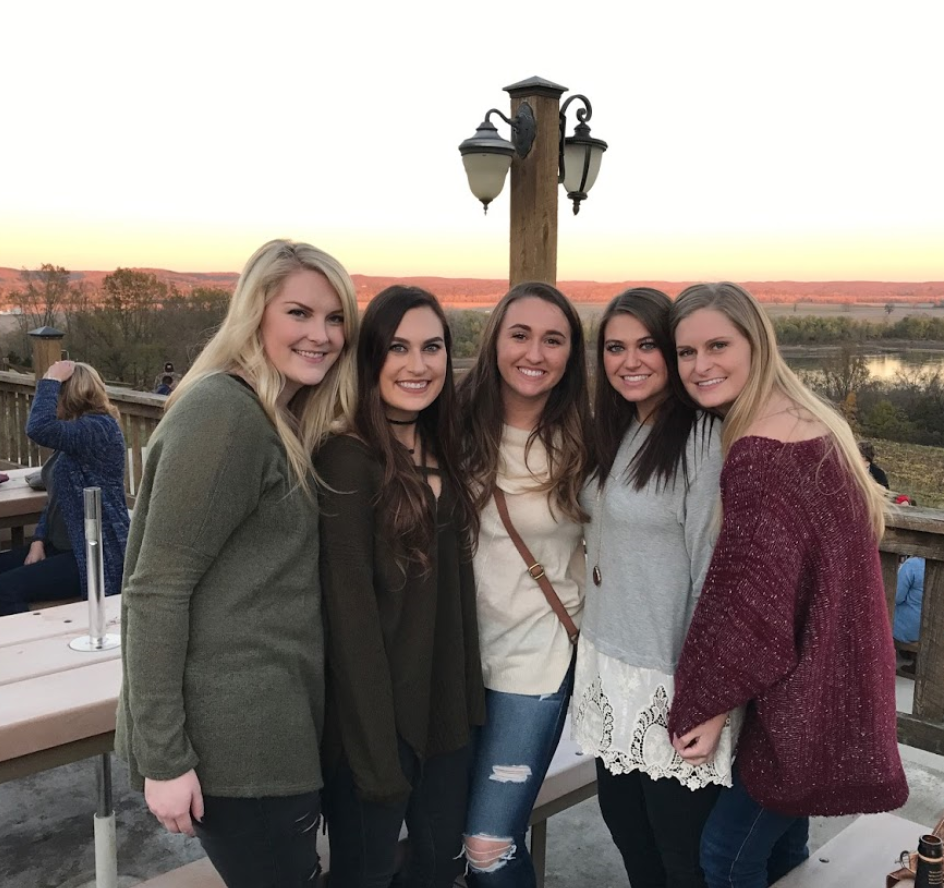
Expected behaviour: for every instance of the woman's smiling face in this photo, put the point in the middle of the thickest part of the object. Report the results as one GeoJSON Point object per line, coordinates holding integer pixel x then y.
{"type": "Point", "coordinates": [714, 358]}
{"type": "Point", "coordinates": [532, 350]}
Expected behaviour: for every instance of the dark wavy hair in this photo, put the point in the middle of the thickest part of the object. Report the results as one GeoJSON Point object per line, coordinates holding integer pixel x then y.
{"type": "Point", "coordinates": [663, 453]}
{"type": "Point", "coordinates": [408, 522]}
{"type": "Point", "coordinates": [564, 421]}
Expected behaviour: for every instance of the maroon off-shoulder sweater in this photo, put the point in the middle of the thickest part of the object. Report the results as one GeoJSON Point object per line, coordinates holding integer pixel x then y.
{"type": "Point", "coordinates": [792, 621]}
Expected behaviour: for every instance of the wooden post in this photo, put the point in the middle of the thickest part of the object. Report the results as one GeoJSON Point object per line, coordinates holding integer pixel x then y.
{"type": "Point", "coordinates": [534, 185]}
{"type": "Point", "coordinates": [47, 349]}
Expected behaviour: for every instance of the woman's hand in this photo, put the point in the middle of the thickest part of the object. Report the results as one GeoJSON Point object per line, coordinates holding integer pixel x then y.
{"type": "Point", "coordinates": [61, 370]}
{"type": "Point", "coordinates": [699, 744]}
{"type": "Point", "coordinates": [36, 553]}
{"type": "Point", "coordinates": [175, 802]}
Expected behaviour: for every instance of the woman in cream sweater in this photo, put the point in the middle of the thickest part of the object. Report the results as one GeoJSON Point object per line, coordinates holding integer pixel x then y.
{"type": "Point", "coordinates": [526, 407]}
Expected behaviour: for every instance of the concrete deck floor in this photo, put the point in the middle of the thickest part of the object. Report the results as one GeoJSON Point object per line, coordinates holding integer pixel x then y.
{"type": "Point", "coordinates": [46, 828]}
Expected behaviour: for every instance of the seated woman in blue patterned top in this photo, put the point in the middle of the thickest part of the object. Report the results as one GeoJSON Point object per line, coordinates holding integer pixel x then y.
{"type": "Point", "coordinates": [71, 415]}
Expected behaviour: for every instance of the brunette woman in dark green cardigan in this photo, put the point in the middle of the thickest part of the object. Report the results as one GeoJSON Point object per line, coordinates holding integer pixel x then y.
{"type": "Point", "coordinates": [404, 675]}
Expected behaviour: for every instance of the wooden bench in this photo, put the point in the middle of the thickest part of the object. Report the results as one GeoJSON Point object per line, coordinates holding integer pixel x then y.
{"type": "Point", "coordinates": [570, 779]}
{"type": "Point", "coordinates": [862, 854]}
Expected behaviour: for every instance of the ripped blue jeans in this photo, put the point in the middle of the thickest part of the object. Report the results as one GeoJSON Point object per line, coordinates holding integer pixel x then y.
{"type": "Point", "coordinates": [511, 754]}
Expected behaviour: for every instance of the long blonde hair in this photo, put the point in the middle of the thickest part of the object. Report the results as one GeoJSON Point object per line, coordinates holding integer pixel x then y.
{"type": "Point", "coordinates": [84, 392]}
{"type": "Point", "coordinates": [237, 347]}
{"type": "Point", "coordinates": [768, 374]}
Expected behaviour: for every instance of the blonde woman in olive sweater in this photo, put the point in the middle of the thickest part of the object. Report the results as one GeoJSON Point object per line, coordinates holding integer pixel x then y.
{"type": "Point", "coordinates": [222, 701]}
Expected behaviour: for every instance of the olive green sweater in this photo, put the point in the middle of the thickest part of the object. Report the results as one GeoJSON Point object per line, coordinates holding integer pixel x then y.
{"type": "Point", "coordinates": [221, 608]}
{"type": "Point", "coordinates": [403, 648]}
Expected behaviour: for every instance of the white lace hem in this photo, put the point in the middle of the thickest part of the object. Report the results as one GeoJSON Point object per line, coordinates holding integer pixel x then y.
{"type": "Point", "coordinates": [620, 715]}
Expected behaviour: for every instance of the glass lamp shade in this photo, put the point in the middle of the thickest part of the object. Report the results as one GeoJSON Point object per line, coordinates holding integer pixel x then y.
{"type": "Point", "coordinates": [581, 166]}
{"type": "Point", "coordinates": [486, 174]}
{"type": "Point", "coordinates": [486, 157]}
{"type": "Point", "coordinates": [582, 157]}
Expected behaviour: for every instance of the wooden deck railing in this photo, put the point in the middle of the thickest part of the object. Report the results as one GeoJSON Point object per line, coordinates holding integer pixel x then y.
{"type": "Point", "coordinates": [140, 413]}
{"type": "Point", "coordinates": [912, 531]}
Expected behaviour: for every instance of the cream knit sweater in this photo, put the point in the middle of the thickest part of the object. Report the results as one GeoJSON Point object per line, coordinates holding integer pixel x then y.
{"type": "Point", "coordinates": [525, 649]}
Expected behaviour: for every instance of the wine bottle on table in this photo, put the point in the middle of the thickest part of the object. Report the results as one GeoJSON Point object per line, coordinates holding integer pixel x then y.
{"type": "Point", "coordinates": [930, 869]}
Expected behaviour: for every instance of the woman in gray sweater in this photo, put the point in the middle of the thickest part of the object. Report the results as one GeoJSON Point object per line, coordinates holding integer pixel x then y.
{"type": "Point", "coordinates": [222, 701]}
{"type": "Point", "coordinates": [653, 505]}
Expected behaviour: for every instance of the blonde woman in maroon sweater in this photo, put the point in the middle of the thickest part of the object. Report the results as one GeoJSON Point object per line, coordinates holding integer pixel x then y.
{"type": "Point", "coordinates": [792, 620]}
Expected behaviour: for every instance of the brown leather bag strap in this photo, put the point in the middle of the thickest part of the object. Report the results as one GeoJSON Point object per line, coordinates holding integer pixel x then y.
{"type": "Point", "coordinates": [535, 569]}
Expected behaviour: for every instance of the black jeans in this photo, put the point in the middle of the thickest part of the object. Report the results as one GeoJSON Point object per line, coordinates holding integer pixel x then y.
{"type": "Point", "coordinates": [363, 836]}
{"type": "Point", "coordinates": [656, 825]}
{"type": "Point", "coordinates": [262, 843]}
{"type": "Point", "coordinates": [54, 578]}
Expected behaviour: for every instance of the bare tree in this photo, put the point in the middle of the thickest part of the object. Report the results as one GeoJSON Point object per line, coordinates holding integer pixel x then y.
{"type": "Point", "coordinates": [42, 295]}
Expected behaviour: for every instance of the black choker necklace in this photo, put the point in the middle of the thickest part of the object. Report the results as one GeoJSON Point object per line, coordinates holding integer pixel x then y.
{"type": "Point", "coordinates": [402, 421]}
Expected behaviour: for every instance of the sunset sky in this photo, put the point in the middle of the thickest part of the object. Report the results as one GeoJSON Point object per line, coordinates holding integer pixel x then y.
{"type": "Point", "coordinates": [748, 140]}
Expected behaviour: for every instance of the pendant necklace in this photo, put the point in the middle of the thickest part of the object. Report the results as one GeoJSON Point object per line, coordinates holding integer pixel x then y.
{"type": "Point", "coordinates": [596, 573]}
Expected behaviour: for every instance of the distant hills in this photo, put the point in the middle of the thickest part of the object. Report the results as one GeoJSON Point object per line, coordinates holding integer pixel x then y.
{"type": "Point", "coordinates": [475, 291]}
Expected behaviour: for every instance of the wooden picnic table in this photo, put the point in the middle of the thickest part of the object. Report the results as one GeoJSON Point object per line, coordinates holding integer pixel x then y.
{"type": "Point", "coordinates": [56, 705]}
{"type": "Point", "coordinates": [20, 505]}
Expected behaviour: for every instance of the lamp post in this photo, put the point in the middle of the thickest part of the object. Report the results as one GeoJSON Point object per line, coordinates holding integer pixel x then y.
{"type": "Point", "coordinates": [540, 156]}
{"type": "Point", "coordinates": [47, 349]}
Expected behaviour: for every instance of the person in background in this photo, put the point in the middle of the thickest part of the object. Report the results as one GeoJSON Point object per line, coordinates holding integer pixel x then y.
{"type": "Point", "coordinates": [222, 698]}
{"type": "Point", "coordinates": [909, 595]}
{"type": "Point", "coordinates": [867, 449]}
{"type": "Point", "coordinates": [160, 379]}
{"type": "Point", "coordinates": [776, 628]}
{"type": "Point", "coordinates": [166, 385]}
{"type": "Point", "coordinates": [526, 411]}
{"type": "Point", "coordinates": [404, 674]}
{"type": "Point", "coordinates": [72, 415]}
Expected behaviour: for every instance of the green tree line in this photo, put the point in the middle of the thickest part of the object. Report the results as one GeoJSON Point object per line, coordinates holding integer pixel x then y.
{"type": "Point", "coordinates": [813, 330]}
{"type": "Point", "coordinates": [128, 329]}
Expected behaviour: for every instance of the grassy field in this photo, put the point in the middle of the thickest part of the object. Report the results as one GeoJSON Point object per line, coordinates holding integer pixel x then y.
{"type": "Point", "coordinates": [913, 469]}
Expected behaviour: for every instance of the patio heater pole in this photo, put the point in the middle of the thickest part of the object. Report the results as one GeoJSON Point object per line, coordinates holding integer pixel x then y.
{"type": "Point", "coordinates": [106, 843]}
{"type": "Point", "coordinates": [96, 640]}
{"type": "Point", "coordinates": [106, 840]}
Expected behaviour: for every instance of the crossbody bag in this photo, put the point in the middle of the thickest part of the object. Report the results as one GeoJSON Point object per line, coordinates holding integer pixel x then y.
{"type": "Point", "coordinates": [535, 569]}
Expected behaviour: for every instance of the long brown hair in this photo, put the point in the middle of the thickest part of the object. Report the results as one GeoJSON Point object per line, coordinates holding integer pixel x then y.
{"type": "Point", "coordinates": [564, 422]}
{"type": "Point", "coordinates": [408, 523]}
{"type": "Point", "coordinates": [664, 451]}
{"type": "Point", "coordinates": [84, 392]}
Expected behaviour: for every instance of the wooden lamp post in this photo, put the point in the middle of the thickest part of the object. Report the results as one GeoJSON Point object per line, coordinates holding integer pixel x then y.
{"type": "Point", "coordinates": [47, 349]}
{"type": "Point", "coordinates": [540, 157]}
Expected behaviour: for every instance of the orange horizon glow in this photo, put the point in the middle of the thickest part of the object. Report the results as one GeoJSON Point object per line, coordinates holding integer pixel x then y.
{"type": "Point", "coordinates": [909, 257]}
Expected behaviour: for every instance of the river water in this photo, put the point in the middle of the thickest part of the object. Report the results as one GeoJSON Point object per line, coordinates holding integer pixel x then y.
{"type": "Point", "coordinates": [883, 366]}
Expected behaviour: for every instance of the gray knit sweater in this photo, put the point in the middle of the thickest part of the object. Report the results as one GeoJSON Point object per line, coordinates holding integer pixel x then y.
{"type": "Point", "coordinates": [653, 547]}
{"type": "Point", "coordinates": [221, 607]}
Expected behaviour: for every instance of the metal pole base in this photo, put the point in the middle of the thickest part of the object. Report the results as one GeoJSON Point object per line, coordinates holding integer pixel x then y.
{"type": "Point", "coordinates": [87, 644]}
